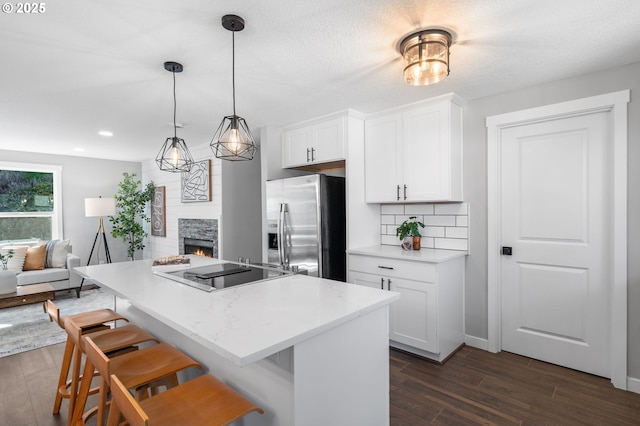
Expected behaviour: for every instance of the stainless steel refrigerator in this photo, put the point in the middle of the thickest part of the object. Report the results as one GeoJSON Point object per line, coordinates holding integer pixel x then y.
{"type": "Point", "coordinates": [306, 225]}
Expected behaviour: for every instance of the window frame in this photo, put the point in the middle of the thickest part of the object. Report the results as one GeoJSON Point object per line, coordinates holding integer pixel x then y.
{"type": "Point", "coordinates": [56, 214]}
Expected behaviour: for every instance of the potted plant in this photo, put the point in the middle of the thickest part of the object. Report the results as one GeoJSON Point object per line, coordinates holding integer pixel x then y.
{"type": "Point", "coordinates": [131, 203]}
{"type": "Point", "coordinates": [8, 279]}
{"type": "Point", "coordinates": [410, 228]}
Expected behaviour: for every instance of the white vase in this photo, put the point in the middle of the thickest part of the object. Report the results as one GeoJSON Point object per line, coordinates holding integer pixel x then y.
{"type": "Point", "coordinates": [8, 281]}
{"type": "Point", "coordinates": [407, 243]}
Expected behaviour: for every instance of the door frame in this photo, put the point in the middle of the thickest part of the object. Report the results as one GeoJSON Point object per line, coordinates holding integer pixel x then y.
{"type": "Point", "coordinates": [616, 104]}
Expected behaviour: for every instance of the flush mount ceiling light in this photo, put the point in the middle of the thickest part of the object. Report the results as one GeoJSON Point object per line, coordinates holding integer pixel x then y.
{"type": "Point", "coordinates": [174, 155]}
{"type": "Point", "coordinates": [426, 56]}
{"type": "Point", "coordinates": [233, 140]}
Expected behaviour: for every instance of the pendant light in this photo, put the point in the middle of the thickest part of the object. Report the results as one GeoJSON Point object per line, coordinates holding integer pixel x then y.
{"type": "Point", "coordinates": [426, 56]}
{"type": "Point", "coordinates": [174, 155]}
{"type": "Point", "coordinates": [233, 140]}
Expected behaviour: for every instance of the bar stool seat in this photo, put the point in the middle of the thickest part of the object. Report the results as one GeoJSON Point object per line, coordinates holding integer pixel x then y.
{"type": "Point", "coordinates": [89, 322]}
{"type": "Point", "coordinates": [136, 369]}
{"type": "Point", "coordinates": [204, 400]}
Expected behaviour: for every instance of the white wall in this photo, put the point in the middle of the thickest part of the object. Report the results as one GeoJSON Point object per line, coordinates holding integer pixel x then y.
{"type": "Point", "coordinates": [83, 178]}
{"type": "Point", "coordinates": [475, 186]}
{"type": "Point", "coordinates": [241, 230]}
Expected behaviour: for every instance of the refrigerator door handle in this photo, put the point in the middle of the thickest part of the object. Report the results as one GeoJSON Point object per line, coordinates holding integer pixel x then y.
{"type": "Point", "coordinates": [281, 241]}
{"type": "Point", "coordinates": [286, 236]}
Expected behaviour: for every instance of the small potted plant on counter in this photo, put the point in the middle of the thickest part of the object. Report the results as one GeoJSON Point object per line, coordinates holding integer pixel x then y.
{"type": "Point", "coordinates": [408, 231]}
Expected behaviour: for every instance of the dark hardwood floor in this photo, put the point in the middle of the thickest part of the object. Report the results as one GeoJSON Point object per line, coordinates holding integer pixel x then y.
{"type": "Point", "coordinates": [473, 387]}
{"type": "Point", "coordinates": [477, 387]}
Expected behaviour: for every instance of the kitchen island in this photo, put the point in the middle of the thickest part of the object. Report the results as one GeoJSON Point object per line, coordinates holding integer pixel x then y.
{"type": "Point", "coordinates": [309, 351]}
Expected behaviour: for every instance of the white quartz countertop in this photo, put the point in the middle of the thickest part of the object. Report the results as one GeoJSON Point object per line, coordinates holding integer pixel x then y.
{"type": "Point", "coordinates": [244, 323]}
{"type": "Point", "coordinates": [396, 252]}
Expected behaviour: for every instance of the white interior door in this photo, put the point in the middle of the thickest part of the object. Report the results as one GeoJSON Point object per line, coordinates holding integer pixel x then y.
{"type": "Point", "coordinates": [556, 181]}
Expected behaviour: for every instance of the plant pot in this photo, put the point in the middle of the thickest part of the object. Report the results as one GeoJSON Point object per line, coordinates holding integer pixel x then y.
{"type": "Point", "coordinates": [416, 242]}
{"type": "Point", "coordinates": [8, 281]}
{"type": "Point", "coordinates": [406, 243]}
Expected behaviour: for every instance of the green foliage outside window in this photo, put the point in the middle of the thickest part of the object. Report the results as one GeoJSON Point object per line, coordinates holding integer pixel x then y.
{"type": "Point", "coordinates": [22, 191]}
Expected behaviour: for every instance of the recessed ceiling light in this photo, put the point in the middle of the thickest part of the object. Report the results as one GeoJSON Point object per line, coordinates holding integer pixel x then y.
{"type": "Point", "coordinates": [105, 133]}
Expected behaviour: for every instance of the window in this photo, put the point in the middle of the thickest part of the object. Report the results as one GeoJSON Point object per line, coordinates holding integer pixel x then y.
{"type": "Point", "coordinates": [30, 201]}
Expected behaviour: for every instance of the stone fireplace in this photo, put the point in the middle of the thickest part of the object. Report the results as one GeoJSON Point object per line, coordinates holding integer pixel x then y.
{"type": "Point", "coordinates": [198, 236]}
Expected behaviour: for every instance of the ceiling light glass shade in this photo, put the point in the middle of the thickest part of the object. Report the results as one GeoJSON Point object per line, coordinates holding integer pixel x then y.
{"type": "Point", "coordinates": [174, 156]}
{"type": "Point", "coordinates": [233, 140]}
{"type": "Point", "coordinates": [426, 57]}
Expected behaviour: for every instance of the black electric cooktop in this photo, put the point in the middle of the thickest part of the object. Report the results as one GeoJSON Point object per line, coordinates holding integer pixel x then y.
{"type": "Point", "coordinates": [220, 276]}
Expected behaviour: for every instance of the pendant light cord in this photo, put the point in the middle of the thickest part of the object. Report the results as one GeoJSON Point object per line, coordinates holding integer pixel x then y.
{"type": "Point", "coordinates": [175, 130]}
{"type": "Point", "coordinates": [233, 69]}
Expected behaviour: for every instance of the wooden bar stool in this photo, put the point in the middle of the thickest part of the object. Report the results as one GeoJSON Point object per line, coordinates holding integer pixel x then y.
{"type": "Point", "coordinates": [113, 341]}
{"type": "Point", "coordinates": [89, 322]}
{"type": "Point", "coordinates": [204, 400]}
{"type": "Point", "coordinates": [136, 370]}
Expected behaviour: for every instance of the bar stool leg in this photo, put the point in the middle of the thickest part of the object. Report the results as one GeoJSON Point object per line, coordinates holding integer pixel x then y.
{"type": "Point", "coordinates": [64, 374]}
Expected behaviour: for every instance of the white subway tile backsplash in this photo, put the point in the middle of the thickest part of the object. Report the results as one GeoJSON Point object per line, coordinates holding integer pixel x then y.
{"type": "Point", "coordinates": [458, 208]}
{"type": "Point", "coordinates": [415, 209]}
{"type": "Point", "coordinates": [392, 209]}
{"type": "Point", "coordinates": [440, 220]}
{"type": "Point", "coordinates": [451, 232]}
{"type": "Point", "coordinates": [446, 225]}
{"type": "Point", "coordinates": [433, 231]}
{"type": "Point", "coordinates": [451, 244]}
{"type": "Point", "coordinates": [387, 219]}
{"type": "Point", "coordinates": [402, 218]}
{"type": "Point", "coordinates": [389, 240]}
{"type": "Point", "coordinates": [462, 220]}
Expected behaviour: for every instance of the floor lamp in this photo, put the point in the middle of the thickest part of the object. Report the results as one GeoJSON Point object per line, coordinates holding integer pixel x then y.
{"type": "Point", "coordinates": [98, 207]}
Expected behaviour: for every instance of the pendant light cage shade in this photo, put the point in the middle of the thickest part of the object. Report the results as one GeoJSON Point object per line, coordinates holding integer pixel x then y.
{"type": "Point", "coordinates": [426, 57]}
{"type": "Point", "coordinates": [174, 156]}
{"type": "Point", "coordinates": [233, 140]}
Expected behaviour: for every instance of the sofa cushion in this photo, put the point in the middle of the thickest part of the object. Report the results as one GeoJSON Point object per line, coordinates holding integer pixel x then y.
{"type": "Point", "coordinates": [17, 261]}
{"type": "Point", "coordinates": [43, 276]}
{"type": "Point", "coordinates": [56, 253]}
{"type": "Point", "coordinates": [35, 258]}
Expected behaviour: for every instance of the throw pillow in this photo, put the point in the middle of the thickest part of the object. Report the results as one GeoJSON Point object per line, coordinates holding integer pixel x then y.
{"type": "Point", "coordinates": [17, 261]}
{"type": "Point", "coordinates": [35, 258]}
{"type": "Point", "coordinates": [57, 254]}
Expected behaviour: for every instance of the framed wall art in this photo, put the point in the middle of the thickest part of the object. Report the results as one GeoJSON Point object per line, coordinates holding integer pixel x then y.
{"type": "Point", "coordinates": [158, 213]}
{"type": "Point", "coordinates": [196, 184]}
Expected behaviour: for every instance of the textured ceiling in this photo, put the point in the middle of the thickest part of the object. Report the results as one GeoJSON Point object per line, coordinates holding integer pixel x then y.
{"type": "Point", "coordinates": [87, 65]}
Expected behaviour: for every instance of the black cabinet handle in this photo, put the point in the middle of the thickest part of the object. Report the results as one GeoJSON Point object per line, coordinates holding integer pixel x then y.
{"type": "Point", "coordinates": [307, 155]}
{"type": "Point", "coordinates": [398, 192]}
{"type": "Point", "coordinates": [507, 251]}
{"type": "Point", "coordinates": [405, 192]}
{"type": "Point", "coordinates": [381, 283]}
{"type": "Point", "coordinates": [385, 267]}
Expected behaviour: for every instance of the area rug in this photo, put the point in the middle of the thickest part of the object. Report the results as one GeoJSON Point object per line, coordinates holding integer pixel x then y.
{"type": "Point", "coordinates": [24, 328]}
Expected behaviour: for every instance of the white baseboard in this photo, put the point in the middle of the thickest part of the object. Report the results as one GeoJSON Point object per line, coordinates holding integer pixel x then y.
{"type": "Point", "coordinates": [476, 342]}
{"type": "Point", "coordinates": [633, 384]}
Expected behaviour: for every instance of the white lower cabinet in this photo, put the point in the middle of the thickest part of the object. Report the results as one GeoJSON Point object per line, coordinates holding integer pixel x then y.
{"type": "Point", "coordinates": [427, 319]}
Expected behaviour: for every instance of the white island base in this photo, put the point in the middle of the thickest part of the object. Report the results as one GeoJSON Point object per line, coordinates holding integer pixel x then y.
{"type": "Point", "coordinates": [339, 377]}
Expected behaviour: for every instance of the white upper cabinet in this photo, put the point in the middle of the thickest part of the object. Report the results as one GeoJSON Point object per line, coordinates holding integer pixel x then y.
{"type": "Point", "coordinates": [315, 143]}
{"type": "Point", "coordinates": [414, 153]}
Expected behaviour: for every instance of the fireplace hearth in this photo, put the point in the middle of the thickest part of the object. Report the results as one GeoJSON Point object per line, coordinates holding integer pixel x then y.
{"type": "Point", "coordinates": [198, 236]}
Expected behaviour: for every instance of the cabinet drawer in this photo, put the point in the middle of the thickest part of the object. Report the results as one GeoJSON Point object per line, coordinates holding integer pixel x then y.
{"type": "Point", "coordinates": [418, 271]}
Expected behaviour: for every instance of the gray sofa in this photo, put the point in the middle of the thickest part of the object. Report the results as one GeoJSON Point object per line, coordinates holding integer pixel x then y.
{"type": "Point", "coordinates": [59, 278]}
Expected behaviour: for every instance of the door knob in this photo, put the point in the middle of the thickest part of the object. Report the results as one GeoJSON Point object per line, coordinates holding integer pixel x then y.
{"type": "Point", "coordinates": [507, 251]}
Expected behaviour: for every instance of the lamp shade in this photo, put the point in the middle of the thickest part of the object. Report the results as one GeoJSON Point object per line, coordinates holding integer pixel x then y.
{"type": "Point", "coordinates": [94, 207]}
{"type": "Point", "coordinates": [426, 57]}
